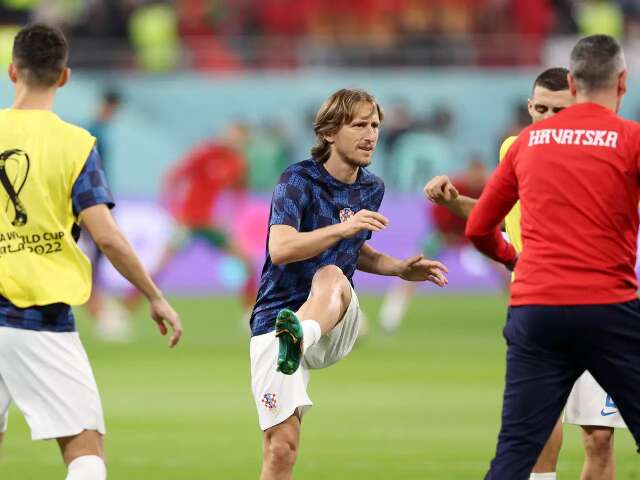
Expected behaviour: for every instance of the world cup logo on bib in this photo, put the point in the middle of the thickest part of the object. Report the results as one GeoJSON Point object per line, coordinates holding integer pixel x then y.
{"type": "Point", "coordinates": [345, 214]}
{"type": "Point", "coordinates": [14, 170]}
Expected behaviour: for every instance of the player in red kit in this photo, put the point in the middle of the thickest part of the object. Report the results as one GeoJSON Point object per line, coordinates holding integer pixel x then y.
{"type": "Point", "coordinates": [191, 191]}
{"type": "Point", "coordinates": [573, 304]}
{"type": "Point", "coordinates": [448, 232]}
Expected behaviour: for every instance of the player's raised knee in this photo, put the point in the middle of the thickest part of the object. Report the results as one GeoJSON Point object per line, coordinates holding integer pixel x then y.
{"type": "Point", "coordinates": [330, 274]}
{"type": "Point", "coordinates": [331, 277]}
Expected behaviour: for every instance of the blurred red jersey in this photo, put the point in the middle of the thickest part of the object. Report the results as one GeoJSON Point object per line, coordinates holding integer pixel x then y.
{"type": "Point", "coordinates": [576, 175]}
{"type": "Point", "coordinates": [197, 182]}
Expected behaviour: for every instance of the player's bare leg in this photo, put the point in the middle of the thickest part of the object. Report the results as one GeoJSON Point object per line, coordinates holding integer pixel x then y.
{"type": "Point", "coordinates": [599, 462]}
{"type": "Point", "coordinates": [280, 449]}
{"type": "Point", "coordinates": [548, 460]}
{"type": "Point", "coordinates": [1, 438]}
{"type": "Point", "coordinates": [395, 306]}
{"type": "Point", "coordinates": [329, 298]}
{"type": "Point", "coordinates": [84, 456]}
{"type": "Point", "coordinates": [327, 303]}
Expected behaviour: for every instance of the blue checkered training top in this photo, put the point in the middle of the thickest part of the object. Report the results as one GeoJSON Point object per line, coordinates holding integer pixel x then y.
{"type": "Point", "coordinates": [307, 198]}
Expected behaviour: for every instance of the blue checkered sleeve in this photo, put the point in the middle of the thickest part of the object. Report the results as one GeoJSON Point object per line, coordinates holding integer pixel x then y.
{"type": "Point", "coordinates": [91, 188]}
{"type": "Point", "coordinates": [289, 200]}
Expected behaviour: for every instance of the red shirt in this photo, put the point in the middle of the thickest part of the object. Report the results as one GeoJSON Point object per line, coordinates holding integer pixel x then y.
{"type": "Point", "coordinates": [449, 224]}
{"type": "Point", "coordinates": [576, 175]}
{"type": "Point", "coordinates": [196, 183]}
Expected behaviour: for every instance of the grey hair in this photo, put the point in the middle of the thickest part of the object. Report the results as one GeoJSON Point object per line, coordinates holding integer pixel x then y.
{"type": "Point", "coordinates": [596, 62]}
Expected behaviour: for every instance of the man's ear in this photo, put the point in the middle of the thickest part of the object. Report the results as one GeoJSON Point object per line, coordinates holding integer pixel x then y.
{"type": "Point", "coordinates": [622, 83]}
{"type": "Point", "coordinates": [13, 73]}
{"type": "Point", "coordinates": [573, 85]}
{"type": "Point", "coordinates": [65, 76]}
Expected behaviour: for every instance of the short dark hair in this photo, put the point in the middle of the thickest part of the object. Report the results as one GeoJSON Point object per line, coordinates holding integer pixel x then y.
{"type": "Point", "coordinates": [596, 62]}
{"type": "Point", "coordinates": [40, 52]}
{"type": "Point", "coordinates": [554, 79]}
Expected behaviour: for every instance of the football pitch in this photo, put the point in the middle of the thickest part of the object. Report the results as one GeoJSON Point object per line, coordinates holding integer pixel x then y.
{"type": "Point", "coordinates": [421, 404]}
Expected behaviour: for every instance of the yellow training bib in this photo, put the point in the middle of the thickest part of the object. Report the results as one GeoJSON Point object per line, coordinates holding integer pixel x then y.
{"type": "Point", "coordinates": [512, 220]}
{"type": "Point", "coordinates": [40, 158]}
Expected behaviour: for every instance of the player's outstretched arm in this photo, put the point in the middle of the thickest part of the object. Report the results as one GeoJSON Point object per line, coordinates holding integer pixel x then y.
{"type": "Point", "coordinates": [287, 245]}
{"type": "Point", "coordinates": [105, 233]}
{"type": "Point", "coordinates": [414, 269]}
{"type": "Point", "coordinates": [441, 191]}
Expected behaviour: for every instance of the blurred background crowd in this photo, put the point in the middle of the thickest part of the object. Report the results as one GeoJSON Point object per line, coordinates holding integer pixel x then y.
{"type": "Point", "coordinates": [240, 34]}
{"type": "Point", "coordinates": [214, 38]}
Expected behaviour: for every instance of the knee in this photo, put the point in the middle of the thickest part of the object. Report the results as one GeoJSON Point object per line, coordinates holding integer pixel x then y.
{"type": "Point", "coordinates": [331, 276]}
{"type": "Point", "coordinates": [280, 454]}
{"type": "Point", "coordinates": [329, 273]}
{"type": "Point", "coordinates": [598, 443]}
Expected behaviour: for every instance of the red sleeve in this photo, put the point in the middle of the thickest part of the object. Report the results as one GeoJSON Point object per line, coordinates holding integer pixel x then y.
{"type": "Point", "coordinates": [497, 199]}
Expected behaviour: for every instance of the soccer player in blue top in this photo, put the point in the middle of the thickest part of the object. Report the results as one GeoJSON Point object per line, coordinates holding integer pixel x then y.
{"type": "Point", "coordinates": [306, 315]}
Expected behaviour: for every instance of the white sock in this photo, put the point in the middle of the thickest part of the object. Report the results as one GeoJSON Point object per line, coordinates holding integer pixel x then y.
{"type": "Point", "coordinates": [311, 333]}
{"type": "Point", "coordinates": [543, 476]}
{"type": "Point", "coordinates": [88, 467]}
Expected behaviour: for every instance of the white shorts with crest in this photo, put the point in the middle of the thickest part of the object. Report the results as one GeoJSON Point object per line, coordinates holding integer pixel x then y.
{"type": "Point", "coordinates": [279, 396]}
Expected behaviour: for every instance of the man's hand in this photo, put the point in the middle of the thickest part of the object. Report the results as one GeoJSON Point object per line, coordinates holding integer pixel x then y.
{"type": "Point", "coordinates": [162, 313]}
{"type": "Point", "coordinates": [420, 269]}
{"type": "Point", "coordinates": [441, 191]}
{"type": "Point", "coordinates": [363, 220]}
{"type": "Point", "coordinates": [512, 266]}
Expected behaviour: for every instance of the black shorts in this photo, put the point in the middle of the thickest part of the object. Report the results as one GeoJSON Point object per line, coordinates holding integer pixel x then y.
{"type": "Point", "coordinates": [548, 348]}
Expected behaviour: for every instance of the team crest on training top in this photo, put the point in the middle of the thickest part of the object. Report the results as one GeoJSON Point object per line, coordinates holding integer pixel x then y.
{"type": "Point", "coordinates": [269, 400]}
{"type": "Point", "coordinates": [345, 214]}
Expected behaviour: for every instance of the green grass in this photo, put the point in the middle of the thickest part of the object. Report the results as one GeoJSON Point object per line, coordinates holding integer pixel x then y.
{"type": "Point", "coordinates": [423, 404]}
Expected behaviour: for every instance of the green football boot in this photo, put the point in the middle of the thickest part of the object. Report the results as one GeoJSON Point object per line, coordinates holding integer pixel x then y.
{"type": "Point", "coordinates": [289, 333]}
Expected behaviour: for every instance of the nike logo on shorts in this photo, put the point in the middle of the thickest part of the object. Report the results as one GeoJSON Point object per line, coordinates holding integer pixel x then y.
{"type": "Point", "coordinates": [606, 414]}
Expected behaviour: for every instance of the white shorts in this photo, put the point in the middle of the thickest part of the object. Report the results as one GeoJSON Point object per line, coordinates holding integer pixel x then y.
{"type": "Point", "coordinates": [278, 396]}
{"type": "Point", "coordinates": [48, 376]}
{"type": "Point", "coordinates": [589, 404]}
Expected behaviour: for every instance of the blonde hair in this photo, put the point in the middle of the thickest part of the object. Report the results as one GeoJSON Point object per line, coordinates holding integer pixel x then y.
{"type": "Point", "coordinates": [338, 110]}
